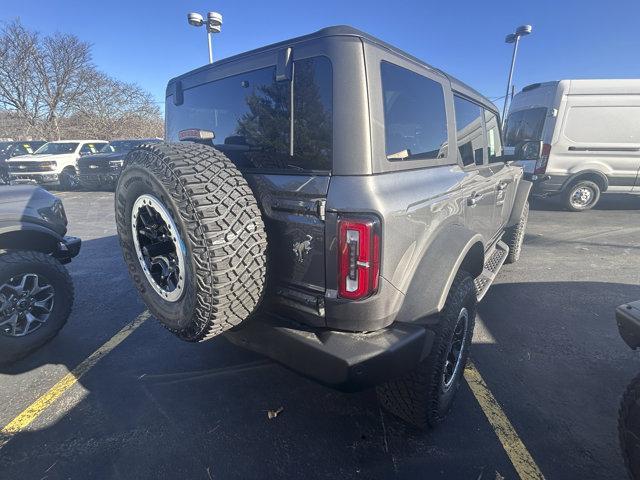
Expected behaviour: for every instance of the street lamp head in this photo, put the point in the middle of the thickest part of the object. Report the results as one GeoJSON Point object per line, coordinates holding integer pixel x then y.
{"type": "Point", "coordinates": [195, 19]}
{"type": "Point", "coordinates": [510, 38]}
{"type": "Point", "coordinates": [523, 30]}
{"type": "Point", "coordinates": [214, 22]}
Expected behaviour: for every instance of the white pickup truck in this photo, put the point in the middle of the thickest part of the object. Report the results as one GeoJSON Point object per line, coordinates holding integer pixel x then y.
{"type": "Point", "coordinates": [54, 162]}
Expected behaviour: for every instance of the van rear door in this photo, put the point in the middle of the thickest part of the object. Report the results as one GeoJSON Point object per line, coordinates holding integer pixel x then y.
{"type": "Point", "coordinates": [275, 125]}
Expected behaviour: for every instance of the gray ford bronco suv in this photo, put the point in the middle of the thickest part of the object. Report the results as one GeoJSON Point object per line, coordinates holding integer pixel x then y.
{"type": "Point", "coordinates": [333, 203]}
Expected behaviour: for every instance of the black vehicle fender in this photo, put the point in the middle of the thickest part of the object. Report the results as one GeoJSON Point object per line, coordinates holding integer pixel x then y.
{"type": "Point", "coordinates": [593, 175]}
{"type": "Point", "coordinates": [455, 247]}
{"type": "Point", "coordinates": [522, 194]}
{"type": "Point", "coordinates": [28, 236]}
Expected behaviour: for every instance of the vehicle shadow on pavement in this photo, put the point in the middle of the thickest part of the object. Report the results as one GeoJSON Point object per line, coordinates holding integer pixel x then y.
{"type": "Point", "coordinates": [608, 201]}
{"type": "Point", "coordinates": [156, 407]}
{"type": "Point", "coordinates": [567, 370]}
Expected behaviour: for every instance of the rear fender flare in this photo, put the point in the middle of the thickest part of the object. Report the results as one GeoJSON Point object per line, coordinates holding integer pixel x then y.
{"type": "Point", "coordinates": [522, 194]}
{"type": "Point", "coordinates": [593, 175]}
{"type": "Point", "coordinates": [454, 248]}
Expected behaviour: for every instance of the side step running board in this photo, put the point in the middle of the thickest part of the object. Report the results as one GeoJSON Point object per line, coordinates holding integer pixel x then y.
{"type": "Point", "coordinates": [492, 266]}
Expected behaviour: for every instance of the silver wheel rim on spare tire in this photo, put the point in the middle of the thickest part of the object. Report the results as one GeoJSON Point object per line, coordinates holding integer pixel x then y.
{"type": "Point", "coordinates": [453, 359]}
{"type": "Point", "coordinates": [581, 197]}
{"type": "Point", "coordinates": [159, 247]}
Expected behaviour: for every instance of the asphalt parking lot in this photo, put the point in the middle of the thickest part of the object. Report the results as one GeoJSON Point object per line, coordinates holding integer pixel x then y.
{"type": "Point", "coordinates": [546, 344]}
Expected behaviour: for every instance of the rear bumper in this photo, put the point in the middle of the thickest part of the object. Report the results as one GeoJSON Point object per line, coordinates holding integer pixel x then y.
{"type": "Point", "coordinates": [628, 319]}
{"type": "Point", "coordinates": [343, 360]}
{"type": "Point", "coordinates": [545, 185]}
{"type": "Point", "coordinates": [68, 248]}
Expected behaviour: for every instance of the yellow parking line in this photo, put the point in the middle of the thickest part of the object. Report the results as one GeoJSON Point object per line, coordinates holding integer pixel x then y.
{"type": "Point", "coordinates": [33, 411]}
{"type": "Point", "coordinates": [520, 457]}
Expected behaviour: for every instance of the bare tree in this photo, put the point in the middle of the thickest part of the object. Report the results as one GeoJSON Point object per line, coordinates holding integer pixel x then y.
{"type": "Point", "coordinates": [18, 48]}
{"type": "Point", "coordinates": [63, 72]}
{"type": "Point", "coordinates": [110, 109]}
{"type": "Point", "coordinates": [50, 89]}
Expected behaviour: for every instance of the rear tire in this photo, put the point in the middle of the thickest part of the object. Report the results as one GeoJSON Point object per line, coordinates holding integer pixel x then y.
{"type": "Point", "coordinates": [201, 269]}
{"type": "Point", "coordinates": [424, 396]}
{"type": "Point", "coordinates": [629, 428]}
{"type": "Point", "coordinates": [514, 236]}
{"type": "Point", "coordinates": [16, 265]}
{"type": "Point", "coordinates": [581, 195]}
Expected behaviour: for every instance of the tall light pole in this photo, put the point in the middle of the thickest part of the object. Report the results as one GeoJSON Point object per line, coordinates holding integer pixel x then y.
{"type": "Point", "coordinates": [514, 38]}
{"type": "Point", "coordinates": [213, 23]}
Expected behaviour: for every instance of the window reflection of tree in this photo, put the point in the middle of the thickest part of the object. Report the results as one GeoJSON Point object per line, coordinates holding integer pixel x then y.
{"type": "Point", "coordinates": [264, 129]}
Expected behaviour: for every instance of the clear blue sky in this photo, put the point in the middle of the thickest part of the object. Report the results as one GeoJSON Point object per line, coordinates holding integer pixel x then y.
{"type": "Point", "coordinates": [148, 42]}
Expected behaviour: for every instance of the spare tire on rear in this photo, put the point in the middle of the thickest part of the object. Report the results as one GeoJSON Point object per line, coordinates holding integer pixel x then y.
{"type": "Point", "coordinates": [192, 237]}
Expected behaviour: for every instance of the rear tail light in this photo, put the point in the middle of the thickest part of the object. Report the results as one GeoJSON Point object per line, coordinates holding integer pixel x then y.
{"type": "Point", "coordinates": [541, 164]}
{"type": "Point", "coordinates": [358, 257]}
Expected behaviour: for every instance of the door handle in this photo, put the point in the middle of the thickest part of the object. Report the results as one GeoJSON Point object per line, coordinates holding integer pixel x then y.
{"type": "Point", "coordinates": [473, 200]}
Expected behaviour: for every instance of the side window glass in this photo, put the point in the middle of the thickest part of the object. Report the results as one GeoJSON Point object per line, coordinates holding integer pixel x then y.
{"type": "Point", "coordinates": [415, 118]}
{"type": "Point", "coordinates": [469, 133]}
{"type": "Point", "coordinates": [494, 142]}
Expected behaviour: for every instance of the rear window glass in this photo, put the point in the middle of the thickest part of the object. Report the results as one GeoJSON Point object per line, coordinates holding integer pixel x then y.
{"type": "Point", "coordinates": [524, 125]}
{"type": "Point", "coordinates": [414, 115]}
{"type": "Point", "coordinates": [250, 115]}
{"type": "Point", "coordinates": [603, 124]}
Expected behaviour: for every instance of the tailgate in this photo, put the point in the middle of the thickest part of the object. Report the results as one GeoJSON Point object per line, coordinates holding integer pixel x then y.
{"type": "Point", "coordinates": [293, 211]}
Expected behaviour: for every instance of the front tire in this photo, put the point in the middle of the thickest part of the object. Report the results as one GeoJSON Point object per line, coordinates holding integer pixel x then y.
{"type": "Point", "coordinates": [69, 179]}
{"type": "Point", "coordinates": [581, 195]}
{"type": "Point", "coordinates": [629, 428]}
{"type": "Point", "coordinates": [192, 237]}
{"type": "Point", "coordinates": [424, 396]}
{"type": "Point", "coordinates": [36, 296]}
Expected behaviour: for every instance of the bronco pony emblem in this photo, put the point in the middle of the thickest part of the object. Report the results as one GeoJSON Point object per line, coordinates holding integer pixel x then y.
{"type": "Point", "coordinates": [302, 248]}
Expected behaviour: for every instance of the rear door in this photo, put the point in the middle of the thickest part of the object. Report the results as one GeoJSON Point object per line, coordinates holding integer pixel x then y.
{"type": "Point", "coordinates": [279, 134]}
{"type": "Point", "coordinates": [478, 186]}
{"type": "Point", "coordinates": [504, 174]}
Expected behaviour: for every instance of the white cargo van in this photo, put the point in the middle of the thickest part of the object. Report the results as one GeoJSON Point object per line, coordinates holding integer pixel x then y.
{"type": "Point", "coordinates": [578, 138]}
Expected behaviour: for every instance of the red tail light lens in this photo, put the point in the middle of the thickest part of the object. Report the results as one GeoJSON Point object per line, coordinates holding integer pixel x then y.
{"type": "Point", "coordinates": [541, 164]}
{"type": "Point", "coordinates": [358, 257]}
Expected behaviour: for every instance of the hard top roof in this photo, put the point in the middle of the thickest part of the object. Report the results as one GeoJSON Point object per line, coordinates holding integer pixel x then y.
{"type": "Point", "coordinates": [345, 30]}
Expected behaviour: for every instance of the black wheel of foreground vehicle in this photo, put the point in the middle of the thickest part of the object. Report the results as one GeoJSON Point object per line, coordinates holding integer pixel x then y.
{"type": "Point", "coordinates": [69, 179]}
{"type": "Point", "coordinates": [36, 295]}
{"type": "Point", "coordinates": [192, 236]}
{"type": "Point", "coordinates": [514, 236]}
{"type": "Point", "coordinates": [629, 428]}
{"type": "Point", "coordinates": [424, 396]}
{"type": "Point", "coordinates": [582, 195]}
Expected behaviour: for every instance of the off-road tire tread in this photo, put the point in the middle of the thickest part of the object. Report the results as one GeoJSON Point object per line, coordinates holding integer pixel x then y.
{"type": "Point", "coordinates": [630, 400]}
{"type": "Point", "coordinates": [19, 257]}
{"type": "Point", "coordinates": [411, 397]}
{"type": "Point", "coordinates": [514, 236]}
{"type": "Point", "coordinates": [213, 199]}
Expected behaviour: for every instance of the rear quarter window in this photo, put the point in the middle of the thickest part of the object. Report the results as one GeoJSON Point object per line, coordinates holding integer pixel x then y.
{"type": "Point", "coordinates": [415, 116]}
